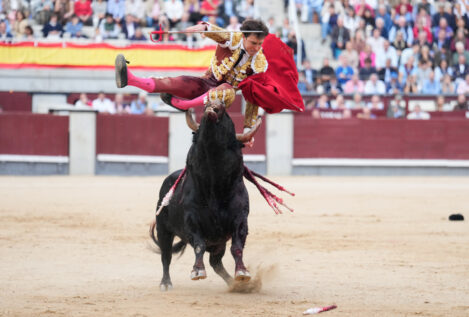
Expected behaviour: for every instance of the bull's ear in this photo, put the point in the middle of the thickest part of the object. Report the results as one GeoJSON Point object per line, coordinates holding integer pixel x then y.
{"type": "Point", "coordinates": [246, 136]}
{"type": "Point", "coordinates": [190, 120]}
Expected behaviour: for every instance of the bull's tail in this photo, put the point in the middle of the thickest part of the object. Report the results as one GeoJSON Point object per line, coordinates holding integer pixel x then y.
{"type": "Point", "coordinates": [178, 247]}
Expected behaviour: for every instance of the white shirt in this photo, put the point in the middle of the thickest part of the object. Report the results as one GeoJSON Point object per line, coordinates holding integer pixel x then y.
{"type": "Point", "coordinates": [375, 88]}
{"type": "Point", "coordinates": [104, 105]}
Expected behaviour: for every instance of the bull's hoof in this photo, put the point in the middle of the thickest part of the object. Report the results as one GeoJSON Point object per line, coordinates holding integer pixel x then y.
{"type": "Point", "coordinates": [198, 275]}
{"type": "Point", "coordinates": [242, 276]}
{"type": "Point", "coordinates": [166, 287]}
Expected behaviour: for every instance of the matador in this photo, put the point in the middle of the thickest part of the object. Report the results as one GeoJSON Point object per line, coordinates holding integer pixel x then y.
{"type": "Point", "coordinates": [239, 63]}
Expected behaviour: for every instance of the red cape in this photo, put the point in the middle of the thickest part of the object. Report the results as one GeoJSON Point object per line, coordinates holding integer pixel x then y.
{"type": "Point", "coordinates": [277, 88]}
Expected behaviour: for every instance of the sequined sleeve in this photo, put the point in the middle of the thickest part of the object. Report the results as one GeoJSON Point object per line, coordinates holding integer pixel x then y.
{"type": "Point", "coordinates": [219, 37]}
{"type": "Point", "coordinates": [250, 115]}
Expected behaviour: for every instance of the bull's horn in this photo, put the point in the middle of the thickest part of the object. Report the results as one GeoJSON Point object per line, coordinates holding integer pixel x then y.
{"type": "Point", "coordinates": [245, 137]}
{"type": "Point", "coordinates": [190, 120]}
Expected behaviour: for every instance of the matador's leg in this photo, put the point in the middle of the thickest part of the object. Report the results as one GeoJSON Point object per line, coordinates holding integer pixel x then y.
{"type": "Point", "coordinates": [187, 87]}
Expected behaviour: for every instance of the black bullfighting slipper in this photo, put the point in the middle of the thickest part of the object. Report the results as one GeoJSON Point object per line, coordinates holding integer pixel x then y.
{"type": "Point", "coordinates": [121, 71]}
{"type": "Point", "coordinates": [167, 100]}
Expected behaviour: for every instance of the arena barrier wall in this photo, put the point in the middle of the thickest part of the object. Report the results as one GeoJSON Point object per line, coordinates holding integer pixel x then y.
{"type": "Point", "coordinates": [437, 146]}
{"type": "Point", "coordinates": [33, 144]}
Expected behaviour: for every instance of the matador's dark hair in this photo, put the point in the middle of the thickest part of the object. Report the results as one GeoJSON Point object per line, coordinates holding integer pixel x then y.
{"type": "Point", "coordinates": [254, 25]}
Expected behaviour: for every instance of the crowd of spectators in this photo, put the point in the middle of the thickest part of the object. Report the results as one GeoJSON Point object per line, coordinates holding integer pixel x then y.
{"type": "Point", "coordinates": [386, 47]}
{"type": "Point", "coordinates": [116, 19]}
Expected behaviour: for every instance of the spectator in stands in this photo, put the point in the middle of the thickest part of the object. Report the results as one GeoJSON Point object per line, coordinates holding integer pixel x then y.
{"type": "Point", "coordinates": [310, 73]}
{"type": "Point", "coordinates": [247, 10]}
{"type": "Point", "coordinates": [442, 69]}
{"type": "Point", "coordinates": [83, 11]}
{"type": "Point", "coordinates": [431, 86]}
{"type": "Point", "coordinates": [443, 25]}
{"type": "Point", "coordinates": [293, 43]}
{"type": "Point", "coordinates": [53, 29]}
{"type": "Point", "coordinates": [407, 33]}
{"type": "Point", "coordinates": [441, 41]}
{"type": "Point", "coordinates": [411, 86]}
{"type": "Point", "coordinates": [74, 27]}
{"type": "Point", "coordinates": [103, 104]}
{"type": "Point", "coordinates": [234, 24]}
{"type": "Point", "coordinates": [410, 52]}
{"type": "Point", "coordinates": [354, 85]}
{"type": "Point", "coordinates": [322, 102]}
{"type": "Point", "coordinates": [182, 25]}
{"type": "Point", "coordinates": [383, 14]}
{"type": "Point", "coordinates": [367, 54]}
{"type": "Point", "coordinates": [339, 36]}
{"type": "Point", "coordinates": [271, 25]}
{"type": "Point", "coordinates": [374, 86]}
{"type": "Point", "coordinates": [442, 105]}
{"type": "Point", "coordinates": [338, 103]}
{"type": "Point", "coordinates": [333, 86]}
{"type": "Point", "coordinates": [423, 72]}
{"type": "Point", "coordinates": [20, 24]}
{"type": "Point", "coordinates": [351, 55]}
{"type": "Point", "coordinates": [351, 20]}
{"type": "Point", "coordinates": [5, 36]}
{"type": "Point", "coordinates": [396, 108]}
{"type": "Point", "coordinates": [303, 85]}
{"type": "Point", "coordinates": [309, 7]}
{"type": "Point", "coordinates": [463, 86]}
{"type": "Point", "coordinates": [138, 36]}
{"type": "Point", "coordinates": [426, 7]}
{"type": "Point", "coordinates": [285, 30]}
{"type": "Point", "coordinates": [193, 8]}
{"type": "Point", "coordinates": [460, 50]}
{"type": "Point", "coordinates": [344, 72]}
{"type": "Point", "coordinates": [120, 105]}
{"type": "Point", "coordinates": [64, 9]}
{"type": "Point", "coordinates": [381, 28]}
{"type": "Point", "coordinates": [462, 24]}
{"type": "Point", "coordinates": [28, 34]}
{"type": "Point", "coordinates": [366, 113]}
{"type": "Point", "coordinates": [328, 20]}
{"type": "Point", "coordinates": [359, 41]}
{"type": "Point", "coordinates": [406, 14]}
{"type": "Point", "coordinates": [421, 26]}
{"type": "Point", "coordinates": [462, 103]}
{"type": "Point", "coordinates": [174, 10]}
{"type": "Point", "coordinates": [421, 40]}
{"type": "Point", "coordinates": [129, 26]}
{"type": "Point", "coordinates": [369, 19]}
{"type": "Point", "coordinates": [83, 101]}
{"type": "Point", "coordinates": [139, 105]}
{"type": "Point", "coordinates": [108, 28]}
{"type": "Point", "coordinates": [366, 71]}
{"type": "Point", "coordinates": [399, 44]}
{"type": "Point", "coordinates": [356, 102]}
{"type": "Point", "coordinates": [447, 86]}
{"type": "Point", "coordinates": [326, 71]}
{"type": "Point", "coordinates": [375, 103]}
{"type": "Point", "coordinates": [376, 42]}
{"type": "Point", "coordinates": [99, 11]}
{"type": "Point", "coordinates": [209, 8]}
{"type": "Point", "coordinates": [418, 114]}
{"type": "Point", "coordinates": [461, 69]}
{"type": "Point", "coordinates": [462, 38]}
{"type": "Point", "coordinates": [387, 53]}
{"type": "Point", "coordinates": [228, 9]}
{"type": "Point", "coordinates": [386, 73]}
{"type": "Point", "coordinates": [116, 8]}
{"type": "Point", "coordinates": [440, 6]}
{"type": "Point", "coordinates": [407, 69]}
{"type": "Point", "coordinates": [42, 10]}
{"type": "Point", "coordinates": [136, 8]}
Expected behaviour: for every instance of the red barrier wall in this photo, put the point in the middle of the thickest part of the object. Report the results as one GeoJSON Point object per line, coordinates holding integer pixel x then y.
{"type": "Point", "coordinates": [33, 134]}
{"type": "Point", "coordinates": [381, 138]}
{"type": "Point", "coordinates": [132, 135]}
{"type": "Point", "coordinates": [259, 139]}
{"type": "Point", "coordinates": [16, 101]}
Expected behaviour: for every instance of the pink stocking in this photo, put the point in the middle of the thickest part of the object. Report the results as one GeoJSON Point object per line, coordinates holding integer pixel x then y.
{"type": "Point", "coordinates": [147, 84]}
{"type": "Point", "coordinates": [186, 104]}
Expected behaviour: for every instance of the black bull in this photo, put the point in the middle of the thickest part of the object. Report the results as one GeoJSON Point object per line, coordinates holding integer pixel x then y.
{"type": "Point", "coordinates": [210, 205]}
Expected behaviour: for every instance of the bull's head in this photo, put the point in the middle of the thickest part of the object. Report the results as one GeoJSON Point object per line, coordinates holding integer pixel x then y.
{"type": "Point", "coordinates": [214, 111]}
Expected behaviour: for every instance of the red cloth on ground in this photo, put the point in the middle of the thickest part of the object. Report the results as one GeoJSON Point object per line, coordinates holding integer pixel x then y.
{"type": "Point", "coordinates": [277, 88]}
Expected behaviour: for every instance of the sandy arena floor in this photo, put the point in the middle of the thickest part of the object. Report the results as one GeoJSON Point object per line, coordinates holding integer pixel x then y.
{"type": "Point", "coordinates": [77, 246]}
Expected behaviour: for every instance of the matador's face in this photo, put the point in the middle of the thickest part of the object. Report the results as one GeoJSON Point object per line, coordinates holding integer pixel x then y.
{"type": "Point", "coordinates": [252, 44]}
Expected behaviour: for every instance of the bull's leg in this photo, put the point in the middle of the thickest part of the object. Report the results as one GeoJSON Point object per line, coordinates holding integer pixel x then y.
{"type": "Point", "coordinates": [166, 244]}
{"type": "Point", "coordinates": [215, 261]}
{"type": "Point", "coordinates": [237, 245]}
{"type": "Point", "coordinates": [198, 271]}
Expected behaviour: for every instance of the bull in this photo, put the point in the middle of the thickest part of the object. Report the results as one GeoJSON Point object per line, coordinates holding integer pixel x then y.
{"type": "Point", "coordinates": [210, 206]}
